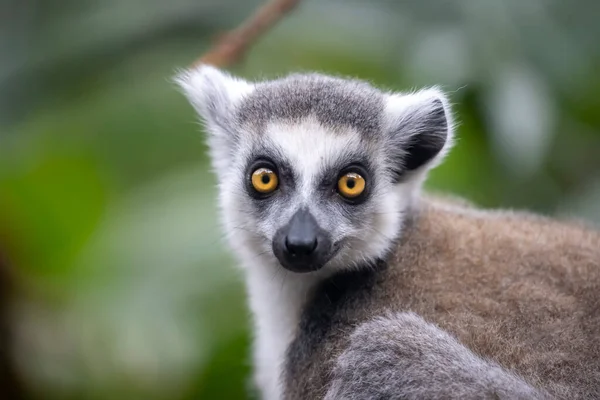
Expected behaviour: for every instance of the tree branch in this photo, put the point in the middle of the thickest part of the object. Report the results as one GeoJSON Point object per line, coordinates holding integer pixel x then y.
{"type": "Point", "coordinates": [233, 46]}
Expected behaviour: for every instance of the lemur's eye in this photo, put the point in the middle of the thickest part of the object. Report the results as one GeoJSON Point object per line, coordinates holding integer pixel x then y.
{"type": "Point", "coordinates": [264, 180]}
{"type": "Point", "coordinates": [351, 185]}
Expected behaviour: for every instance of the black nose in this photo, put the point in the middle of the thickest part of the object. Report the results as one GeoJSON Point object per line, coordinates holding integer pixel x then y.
{"type": "Point", "coordinates": [301, 245]}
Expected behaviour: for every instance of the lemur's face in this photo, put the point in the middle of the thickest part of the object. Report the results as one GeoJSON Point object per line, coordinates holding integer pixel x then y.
{"type": "Point", "coordinates": [316, 172]}
{"type": "Point", "coordinates": [312, 194]}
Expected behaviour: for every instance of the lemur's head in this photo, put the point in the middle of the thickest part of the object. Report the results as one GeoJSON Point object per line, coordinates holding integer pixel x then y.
{"type": "Point", "coordinates": [314, 171]}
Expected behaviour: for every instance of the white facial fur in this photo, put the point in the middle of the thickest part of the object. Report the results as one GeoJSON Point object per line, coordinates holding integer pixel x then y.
{"type": "Point", "coordinates": [310, 144]}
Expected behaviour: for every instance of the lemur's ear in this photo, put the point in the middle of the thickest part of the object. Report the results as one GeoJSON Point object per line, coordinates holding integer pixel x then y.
{"type": "Point", "coordinates": [419, 129]}
{"type": "Point", "coordinates": [215, 95]}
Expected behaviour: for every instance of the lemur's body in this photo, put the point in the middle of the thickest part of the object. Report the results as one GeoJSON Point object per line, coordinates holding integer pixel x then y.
{"type": "Point", "coordinates": [319, 188]}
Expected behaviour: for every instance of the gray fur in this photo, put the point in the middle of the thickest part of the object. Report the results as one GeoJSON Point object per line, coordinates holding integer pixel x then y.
{"type": "Point", "coordinates": [324, 327]}
{"type": "Point", "coordinates": [401, 356]}
{"type": "Point", "coordinates": [336, 103]}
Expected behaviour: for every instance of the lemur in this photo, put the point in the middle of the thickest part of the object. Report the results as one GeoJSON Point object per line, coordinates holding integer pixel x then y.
{"type": "Point", "coordinates": [361, 285]}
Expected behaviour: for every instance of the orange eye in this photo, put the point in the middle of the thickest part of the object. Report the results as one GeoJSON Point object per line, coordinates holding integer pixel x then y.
{"type": "Point", "coordinates": [351, 185]}
{"type": "Point", "coordinates": [264, 180]}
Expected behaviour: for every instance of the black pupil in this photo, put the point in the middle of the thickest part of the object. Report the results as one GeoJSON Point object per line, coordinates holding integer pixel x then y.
{"type": "Point", "coordinates": [351, 183]}
{"type": "Point", "coordinates": [265, 178]}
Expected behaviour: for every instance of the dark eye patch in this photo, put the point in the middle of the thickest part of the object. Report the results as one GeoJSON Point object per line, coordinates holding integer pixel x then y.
{"type": "Point", "coordinates": [329, 176]}
{"type": "Point", "coordinates": [277, 163]}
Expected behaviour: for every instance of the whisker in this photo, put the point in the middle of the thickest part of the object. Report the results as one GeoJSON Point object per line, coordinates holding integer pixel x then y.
{"type": "Point", "coordinates": [282, 279]}
{"type": "Point", "coordinates": [262, 253]}
{"type": "Point", "coordinates": [274, 275]}
{"type": "Point", "coordinates": [380, 233]}
{"type": "Point", "coordinates": [390, 213]}
{"type": "Point", "coordinates": [258, 234]}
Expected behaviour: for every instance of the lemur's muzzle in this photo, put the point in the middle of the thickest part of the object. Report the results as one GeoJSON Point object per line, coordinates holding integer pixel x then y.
{"type": "Point", "coordinates": [302, 245]}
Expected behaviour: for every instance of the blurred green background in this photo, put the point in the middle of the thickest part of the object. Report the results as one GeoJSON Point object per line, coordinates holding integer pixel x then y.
{"type": "Point", "coordinates": [123, 288]}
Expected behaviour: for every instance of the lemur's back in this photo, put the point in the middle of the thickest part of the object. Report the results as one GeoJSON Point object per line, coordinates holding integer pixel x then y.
{"type": "Point", "coordinates": [517, 289]}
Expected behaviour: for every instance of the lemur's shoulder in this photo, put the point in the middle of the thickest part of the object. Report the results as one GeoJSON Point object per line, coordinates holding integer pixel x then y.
{"type": "Point", "coordinates": [453, 250]}
{"type": "Point", "coordinates": [457, 225]}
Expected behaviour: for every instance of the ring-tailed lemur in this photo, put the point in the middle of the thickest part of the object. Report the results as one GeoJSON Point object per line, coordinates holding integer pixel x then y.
{"type": "Point", "coordinates": [362, 288]}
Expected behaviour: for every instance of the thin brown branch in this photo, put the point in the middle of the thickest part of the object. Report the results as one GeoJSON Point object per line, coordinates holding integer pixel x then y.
{"type": "Point", "coordinates": [233, 45]}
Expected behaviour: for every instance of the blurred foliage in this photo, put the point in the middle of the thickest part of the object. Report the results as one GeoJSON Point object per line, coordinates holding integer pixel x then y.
{"type": "Point", "coordinates": [107, 208]}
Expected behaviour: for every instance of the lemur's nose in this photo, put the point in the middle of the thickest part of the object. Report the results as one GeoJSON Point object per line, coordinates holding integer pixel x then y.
{"type": "Point", "coordinates": [301, 239]}
{"type": "Point", "coordinates": [300, 245]}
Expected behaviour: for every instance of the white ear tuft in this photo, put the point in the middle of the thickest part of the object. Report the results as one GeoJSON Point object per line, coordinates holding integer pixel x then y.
{"type": "Point", "coordinates": [213, 93]}
{"type": "Point", "coordinates": [420, 128]}
{"type": "Point", "coordinates": [215, 96]}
